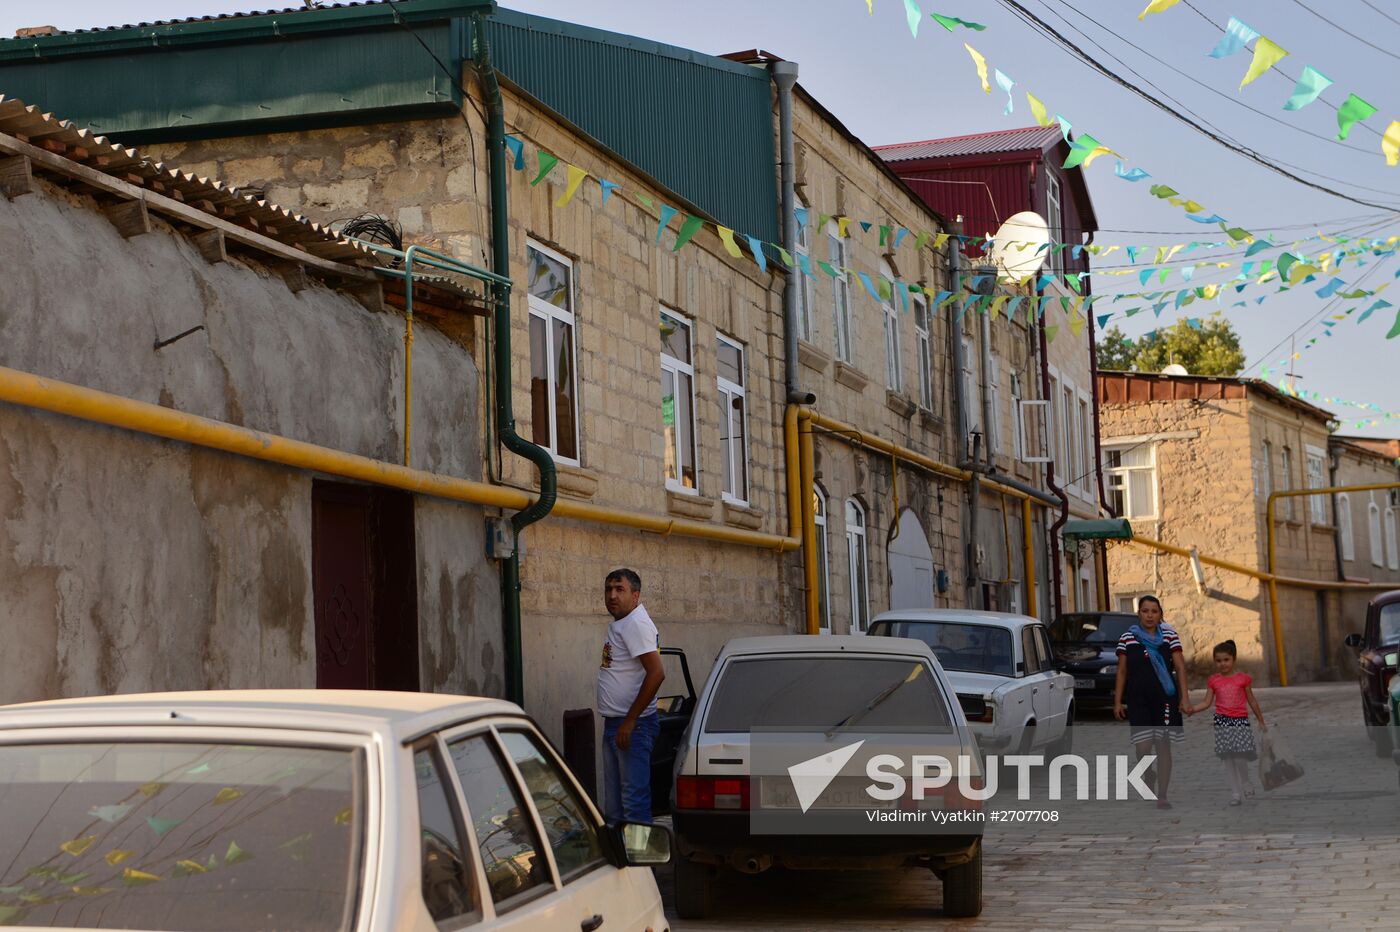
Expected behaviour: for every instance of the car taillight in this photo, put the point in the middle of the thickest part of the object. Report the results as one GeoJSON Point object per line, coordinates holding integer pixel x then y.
{"type": "Point", "coordinates": [975, 708]}
{"type": "Point", "coordinates": [712, 793]}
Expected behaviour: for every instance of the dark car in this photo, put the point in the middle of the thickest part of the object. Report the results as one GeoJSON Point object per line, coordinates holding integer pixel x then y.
{"type": "Point", "coordinates": [1377, 647]}
{"type": "Point", "coordinates": [1085, 645]}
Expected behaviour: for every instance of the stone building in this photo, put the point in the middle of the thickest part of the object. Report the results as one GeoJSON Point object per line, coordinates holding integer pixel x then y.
{"type": "Point", "coordinates": [142, 559]}
{"type": "Point", "coordinates": [1191, 462]}
{"type": "Point", "coordinates": [1044, 416]}
{"type": "Point", "coordinates": [652, 371]}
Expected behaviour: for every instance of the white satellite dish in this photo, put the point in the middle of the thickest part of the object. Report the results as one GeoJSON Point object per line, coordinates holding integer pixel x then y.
{"type": "Point", "coordinates": [1175, 368]}
{"type": "Point", "coordinates": [1019, 247]}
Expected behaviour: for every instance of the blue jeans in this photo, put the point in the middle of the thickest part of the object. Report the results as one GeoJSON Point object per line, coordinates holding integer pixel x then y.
{"type": "Point", "coordinates": [627, 774]}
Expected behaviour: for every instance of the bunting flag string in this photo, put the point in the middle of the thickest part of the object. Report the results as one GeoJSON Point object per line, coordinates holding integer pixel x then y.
{"type": "Point", "coordinates": [1289, 270]}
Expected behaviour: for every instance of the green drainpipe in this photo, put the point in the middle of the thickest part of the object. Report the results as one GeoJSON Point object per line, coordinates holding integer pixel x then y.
{"type": "Point", "coordinates": [505, 415]}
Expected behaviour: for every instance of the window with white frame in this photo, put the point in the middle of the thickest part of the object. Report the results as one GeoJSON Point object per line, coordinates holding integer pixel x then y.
{"type": "Point", "coordinates": [1266, 471]}
{"type": "Point", "coordinates": [1131, 475]}
{"type": "Point", "coordinates": [994, 405]}
{"type": "Point", "coordinates": [1285, 482]}
{"type": "Point", "coordinates": [971, 396]}
{"type": "Point", "coordinates": [858, 565]}
{"type": "Point", "coordinates": [1057, 430]}
{"type": "Point", "coordinates": [678, 404]}
{"type": "Point", "coordinates": [733, 420]}
{"type": "Point", "coordinates": [1316, 465]}
{"type": "Point", "coordinates": [553, 361]}
{"type": "Point", "coordinates": [894, 374]}
{"type": "Point", "coordinates": [1054, 222]}
{"type": "Point", "coordinates": [923, 348]}
{"type": "Point", "coordinates": [1373, 515]}
{"type": "Point", "coordinates": [1018, 446]}
{"type": "Point", "coordinates": [1392, 558]}
{"type": "Point", "coordinates": [840, 293]}
{"type": "Point", "coordinates": [1086, 445]}
{"type": "Point", "coordinates": [806, 321]}
{"type": "Point", "coordinates": [1344, 532]}
{"type": "Point", "coordinates": [823, 564]}
{"type": "Point", "coordinates": [1074, 454]}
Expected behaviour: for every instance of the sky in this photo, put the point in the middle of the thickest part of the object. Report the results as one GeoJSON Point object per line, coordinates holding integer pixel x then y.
{"type": "Point", "coordinates": [887, 86]}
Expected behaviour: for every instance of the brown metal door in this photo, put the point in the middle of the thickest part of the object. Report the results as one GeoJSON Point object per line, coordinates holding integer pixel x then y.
{"type": "Point", "coordinates": [342, 573]}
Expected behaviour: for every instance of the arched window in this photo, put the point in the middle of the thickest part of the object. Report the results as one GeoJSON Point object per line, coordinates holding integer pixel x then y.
{"type": "Point", "coordinates": [823, 566]}
{"type": "Point", "coordinates": [1344, 533]}
{"type": "Point", "coordinates": [1392, 559]}
{"type": "Point", "coordinates": [1373, 513]}
{"type": "Point", "coordinates": [858, 564]}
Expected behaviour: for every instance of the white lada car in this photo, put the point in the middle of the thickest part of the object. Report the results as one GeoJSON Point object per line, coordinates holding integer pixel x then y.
{"type": "Point", "coordinates": [1003, 670]}
{"type": "Point", "coordinates": [307, 810]}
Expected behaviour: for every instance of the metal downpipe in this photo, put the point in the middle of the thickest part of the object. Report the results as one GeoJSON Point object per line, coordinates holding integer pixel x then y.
{"type": "Point", "coordinates": [965, 462]}
{"type": "Point", "coordinates": [505, 414]}
{"type": "Point", "coordinates": [784, 75]}
{"type": "Point", "coordinates": [1052, 531]}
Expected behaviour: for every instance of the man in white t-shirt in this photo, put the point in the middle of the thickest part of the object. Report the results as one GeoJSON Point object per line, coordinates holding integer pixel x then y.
{"type": "Point", "coordinates": [628, 679]}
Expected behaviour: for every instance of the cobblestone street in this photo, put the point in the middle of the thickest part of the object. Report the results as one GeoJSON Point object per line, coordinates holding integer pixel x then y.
{"type": "Point", "coordinates": [1202, 865]}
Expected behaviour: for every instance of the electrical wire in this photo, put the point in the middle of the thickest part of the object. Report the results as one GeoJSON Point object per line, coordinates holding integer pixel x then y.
{"type": "Point", "coordinates": [1382, 12]}
{"type": "Point", "coordinates": [1276, 69]}
{"type": "Point", "coordinates": [1340, 28]}
{"type": "Point", "coordinates": [1219, 93]}
{"type": "Point", "coordinates": [1046, 29]}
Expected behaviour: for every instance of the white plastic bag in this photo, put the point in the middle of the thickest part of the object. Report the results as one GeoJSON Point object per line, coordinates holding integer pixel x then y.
{"type": "Point", "coordinates": [1276, 763]}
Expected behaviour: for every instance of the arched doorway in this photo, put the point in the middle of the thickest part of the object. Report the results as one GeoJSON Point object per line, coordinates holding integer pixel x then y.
{"type": "Point", "coordinates": [911, 565]}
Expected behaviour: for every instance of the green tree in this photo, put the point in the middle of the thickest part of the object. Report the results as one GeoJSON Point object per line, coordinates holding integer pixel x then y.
{"type": "Point", "coordinates": [1213, 349]}
{"type": "Point", "coordinates": [1116, 350]}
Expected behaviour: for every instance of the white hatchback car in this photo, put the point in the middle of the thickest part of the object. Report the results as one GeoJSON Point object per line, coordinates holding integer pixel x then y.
{"type": "Point", "coordinates": [1003, 669]}
{"type": "Point", "coordinates": [306, 810]}
{"type": "Point", "coordinates": [816, 684]}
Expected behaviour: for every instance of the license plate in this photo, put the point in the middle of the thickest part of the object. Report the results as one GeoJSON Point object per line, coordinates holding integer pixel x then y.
{"type": "Point", "coordinates": [1084, 684]}
{"type": "Point", "coordinates": [842, 793]}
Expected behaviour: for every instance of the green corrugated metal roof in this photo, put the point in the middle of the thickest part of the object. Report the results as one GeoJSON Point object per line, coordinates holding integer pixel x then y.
{"type": "Point", "coordinates": [702, 126]}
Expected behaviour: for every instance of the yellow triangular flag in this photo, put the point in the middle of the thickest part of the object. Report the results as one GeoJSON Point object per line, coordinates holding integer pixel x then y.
{"type": "Point", "coordinates": [1266, 55]}
{"type": "Point", "coordinates": [227, 795]}
{"type": "Point", "coordinates": [118, 855]}
{"type": "Point", "coordinates": [870, 7]}
{"type": "Point", "coordinates": [576, 176]}
{"type": "Point", "coordinates": [1038, 111]}
{"type": "Point", "coordinates": [1390, 144]}
{"type": "Point", "coordinates": [1076, 324]}
{"type": "Point", "coordinates": [841, 224]}
{"type": "Point", "coordinates": [940, 239]}
{"type": "Point", "coordinates": [77, 846]}
{"type": "Point", "coordinates": [981, 64]}
{"type": "Point", "coordinates": [1173, 251]}
{"type": "Point", "coordinates": [133, 877]}
{"type": "Point", "coordinates": [998, 304]}
{"type": "Point", "coordinates": [726, 236]}
{"type": "Point", "coordinates": [1157, 6]}
{"type": "Point", "coordinates": [1101, 150]}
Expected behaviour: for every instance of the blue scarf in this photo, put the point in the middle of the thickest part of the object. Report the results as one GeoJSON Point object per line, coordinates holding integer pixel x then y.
{"type": "Point", "coordinates": [1152, 645]}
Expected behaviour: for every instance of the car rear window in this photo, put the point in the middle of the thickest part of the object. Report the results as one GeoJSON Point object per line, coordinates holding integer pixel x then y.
{"type": "Point", "coordinates": [964, 648]}
{"type": "Point", "coordinates": [180, 836]}
{"type": "Point", "coordinates": [815, 693]}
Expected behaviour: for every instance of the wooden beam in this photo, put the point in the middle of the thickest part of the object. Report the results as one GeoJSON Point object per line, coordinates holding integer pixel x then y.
{"type": "Point", "coordinates": [130, 217]}
{"type": "Point", "coordinates": [371, 296]}
{"type": "Point", "coordinates": [170, 207]}
{"type": "Point", "coordinates": [294, 274]}
{"type": "Point", "coordinates": [211, 245]}
{"type": "Point", "coordinates": [16, 176]}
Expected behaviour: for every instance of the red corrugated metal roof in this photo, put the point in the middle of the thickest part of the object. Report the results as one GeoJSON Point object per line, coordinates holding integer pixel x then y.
{"type": "Point", "coordinates": [1025, 139]}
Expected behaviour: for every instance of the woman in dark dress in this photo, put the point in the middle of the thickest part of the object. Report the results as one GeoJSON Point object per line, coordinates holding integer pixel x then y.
{"type": "Point", "coordinates": [1151, 690]}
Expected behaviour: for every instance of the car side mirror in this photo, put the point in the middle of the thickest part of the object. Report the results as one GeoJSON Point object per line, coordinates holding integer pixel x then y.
{"type": "Point", "coordinates": [643, 844]}
{"type": "Point", "coordinates": [1392, 660]}
{"type": "Point", "coordinates": [1353, 640]}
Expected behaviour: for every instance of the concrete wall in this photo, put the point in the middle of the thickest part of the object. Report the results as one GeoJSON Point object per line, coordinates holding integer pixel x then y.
{"type": "Point", "coordinates": [129, 563]}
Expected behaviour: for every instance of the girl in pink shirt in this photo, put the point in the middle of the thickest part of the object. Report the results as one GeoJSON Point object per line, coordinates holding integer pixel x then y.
{"type": "Point", "coordinates": [1230, 692]}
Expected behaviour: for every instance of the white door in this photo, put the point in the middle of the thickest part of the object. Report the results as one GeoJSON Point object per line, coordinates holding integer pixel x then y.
{"type": "Point", "coordinates": [911, 565]}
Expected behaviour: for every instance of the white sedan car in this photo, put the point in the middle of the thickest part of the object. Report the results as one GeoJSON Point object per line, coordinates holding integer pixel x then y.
{"type": "Point", "coordinates": [306, 810]}
{"type": "Point", "coordinates": [1003, 669]}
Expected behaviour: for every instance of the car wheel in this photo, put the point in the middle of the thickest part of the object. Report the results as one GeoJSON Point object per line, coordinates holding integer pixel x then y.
{"type": "Point", "coordinates": [692, 889]}
{"type": "Point", "coordinates": [1366, 717]}
{"type": "Point", "coordinates": [1027, 741]}
{"type": "Point", "coordinates": [962, 888]}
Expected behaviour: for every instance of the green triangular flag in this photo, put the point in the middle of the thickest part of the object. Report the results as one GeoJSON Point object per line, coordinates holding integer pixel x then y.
{"type": "Point", "coordinates": [547, 163]}
{"type": "Point", "coordinates": [236, 854]}
{"type": "Point", "coordinates": [1353, 111]}
{"type": "Point", "coordinates": [689, 228]}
